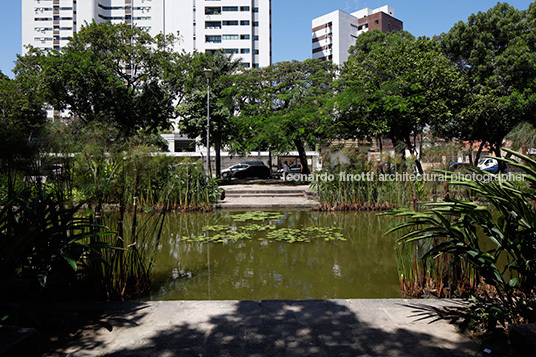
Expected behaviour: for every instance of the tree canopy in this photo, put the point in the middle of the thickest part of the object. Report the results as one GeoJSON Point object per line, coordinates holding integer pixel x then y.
{"type": "Point", "coordinates": [286, 105]}
{"type": "Point", "coordinates": [21, 122]}
{"type": "Point", "coordinates": [193, 109]}
{"type": "Point", "coordinates": [495, 50]}
{"type": "Point", "coordinates": [113, 73]}
{"type": "Point", "coordinates": [395, 85]}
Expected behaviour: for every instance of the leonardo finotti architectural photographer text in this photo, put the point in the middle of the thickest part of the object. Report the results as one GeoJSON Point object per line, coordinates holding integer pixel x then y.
{"type": "Point", "coordinates": [372, 176]}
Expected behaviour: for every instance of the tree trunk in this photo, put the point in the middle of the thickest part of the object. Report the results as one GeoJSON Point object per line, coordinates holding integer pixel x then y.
{"type": "Point", "coordinates": [471, 161]}
{"type": "Point", "coordinates": [270, 159]}
{"type": "Point", "coordinates": [380, 141]}
{"type": "Point", "coordinates": [497, 150]}
{"type": "Point", "coordinates": [479, 152]}
{"type": "Point", "coordinates": [400, 150]}
{"type": "Point", "coordinates": [302, 156]}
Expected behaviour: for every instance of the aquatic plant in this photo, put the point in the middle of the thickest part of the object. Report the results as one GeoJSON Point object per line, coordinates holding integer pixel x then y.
{"type": "Point", "coordinates": [493, 238]}
{"type": "Point", "coordinates": [231, 234]}
{"type": "Point", "coordinates": [257, 216]}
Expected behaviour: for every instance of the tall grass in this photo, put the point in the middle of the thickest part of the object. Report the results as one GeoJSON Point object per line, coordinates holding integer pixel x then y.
{"type": "Point", "coordinates": [128, 272]}
{"type": "Point", "coordinates": [440, 276]}
{"type": "Point", "coordinates": [361, 185]}
{"type": "Point", "coordinates": [151, 180]}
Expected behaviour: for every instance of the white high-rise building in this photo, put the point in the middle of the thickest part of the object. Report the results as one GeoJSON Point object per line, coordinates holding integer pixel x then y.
{"type": "Point", "coordinates": [241, 27]}
{"type": "Point", "coordinates": [334, 33]}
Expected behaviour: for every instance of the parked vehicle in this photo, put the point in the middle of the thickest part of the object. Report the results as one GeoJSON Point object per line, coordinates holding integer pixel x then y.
{"type": "Point", "coordinates": [293, 169]}
{"type": "Point", "coordinates": [247, 169]}
{"type": "Point", "coordinates": [489, 165]}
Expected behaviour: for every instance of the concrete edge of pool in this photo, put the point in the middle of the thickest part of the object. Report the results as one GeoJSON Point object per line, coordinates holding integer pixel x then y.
{"type": "Point", "coordinates": [377, 327]}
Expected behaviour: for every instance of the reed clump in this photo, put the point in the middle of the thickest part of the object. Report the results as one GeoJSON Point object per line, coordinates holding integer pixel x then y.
{"type": "Point", "coordinates": [360, 185]}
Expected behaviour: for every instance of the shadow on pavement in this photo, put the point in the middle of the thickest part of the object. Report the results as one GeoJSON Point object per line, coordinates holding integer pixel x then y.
{"type": "Point", "coordinates": [259, 328]}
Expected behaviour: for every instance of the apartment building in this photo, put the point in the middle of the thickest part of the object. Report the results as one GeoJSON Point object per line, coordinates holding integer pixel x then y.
{"type": "Point", "coordinates": [240, 27]}
{"type": "Point", "coordinates": [334, 33]}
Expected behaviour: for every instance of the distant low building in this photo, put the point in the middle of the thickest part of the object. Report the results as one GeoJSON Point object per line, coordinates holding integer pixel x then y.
{"type": "Point", "coordinates": [334, 33]}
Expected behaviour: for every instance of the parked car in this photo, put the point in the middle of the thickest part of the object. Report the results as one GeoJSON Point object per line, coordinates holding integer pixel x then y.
{"type": "Point", "coordinates": [489, 165]}
{"type": "Point", "coordinates": [293, 169]}
{"type": "Point", "coordinates": [246, 169]}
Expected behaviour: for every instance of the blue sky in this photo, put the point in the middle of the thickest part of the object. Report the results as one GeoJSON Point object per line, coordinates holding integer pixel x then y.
{"type": "Point", "coordinates": [291, 22]}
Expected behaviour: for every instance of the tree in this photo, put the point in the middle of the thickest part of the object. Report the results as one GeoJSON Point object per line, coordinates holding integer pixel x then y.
{"type": "Point", "coordinates": [286, 105]}
{"type": "Point", "coordinates": [112, 73]}
{"type": "Point", "coordinates": [496, 51]}
{"type": "Point", "coordinates": [193, 110]}
{"type": "Point", "coordinates": [21, 122]}
{"type": "Point", "coordinates": [396, 85]}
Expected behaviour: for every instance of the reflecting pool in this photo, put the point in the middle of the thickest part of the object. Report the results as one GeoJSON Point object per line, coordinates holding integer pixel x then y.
{"type": "Point", "coordinates": [263, 264]}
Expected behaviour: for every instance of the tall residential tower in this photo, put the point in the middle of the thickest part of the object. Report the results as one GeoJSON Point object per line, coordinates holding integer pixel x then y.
{"type": "Point", "coordinates": [334, 33]}
{"type": "Point", "coordinates": [241, 27]}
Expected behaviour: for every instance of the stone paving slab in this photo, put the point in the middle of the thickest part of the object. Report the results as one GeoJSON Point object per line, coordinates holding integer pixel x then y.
{"type": "Point", "coordinates": [368, 327]}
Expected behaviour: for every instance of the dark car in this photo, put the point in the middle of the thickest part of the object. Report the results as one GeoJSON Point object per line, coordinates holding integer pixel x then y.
{"type": "Point", "coordinates": [247, 169]}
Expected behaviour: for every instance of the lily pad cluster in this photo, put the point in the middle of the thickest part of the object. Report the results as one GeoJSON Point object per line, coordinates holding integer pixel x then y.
{"type": "Point", "coordinates": [227, 236]}
{"type": "Point", "coordinates": [305, 235]}
{"type": "Point", "coordinates": [231, 234]}
{"type": "Point", "coordinates": [257, 216]}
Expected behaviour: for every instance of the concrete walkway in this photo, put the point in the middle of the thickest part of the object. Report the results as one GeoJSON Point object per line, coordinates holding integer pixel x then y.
{"type": "Point", "coordinates": [275, 196]}
{"type": "Point", "coordinates": [390, 327]}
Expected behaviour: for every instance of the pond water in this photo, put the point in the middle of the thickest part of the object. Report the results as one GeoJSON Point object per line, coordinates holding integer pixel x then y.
{"type": "Point", "coordinates": [348, 256]}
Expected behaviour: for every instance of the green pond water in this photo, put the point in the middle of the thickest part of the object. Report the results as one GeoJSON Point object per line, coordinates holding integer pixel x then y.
{"type": "Point", "coordinates": [278, 255]}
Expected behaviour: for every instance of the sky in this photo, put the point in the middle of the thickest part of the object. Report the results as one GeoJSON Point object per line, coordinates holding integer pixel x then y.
{"type": "Point", "coordinates": [291, 22]}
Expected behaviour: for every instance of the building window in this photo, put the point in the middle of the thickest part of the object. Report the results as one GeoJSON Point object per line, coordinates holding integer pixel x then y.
{"type": "Point", "coordinates": [256, 37]}
{"type": "Point", "coordinates": [229, 37]}
{"type": "Point", "coordinates": [256, 23]}
{"type": "Point", "coordinates": [244, 37]}
{"type": "Point", "coordinates": [255, 9]}
{"type": "Point", "coordinates": [230, 23]}
{"type": "Point", "coordinates": [246, 64]}
{"type": "Point", "coordinates": [212, 52]}
{"type": "Point", "coordinates": [230, 8]}
{"type": "Point", "coordinates": [256, 52]}
{"type": "Point", "coordinates": [230, 50]}
{"type": "Point", "coordinates": [244, 22]}
{"type": "Point", "coordinates": [213, 25]}
{"type": "Point", "coordinates": [213, 39]}
{"type": "Point", "coordinates": [255, 65]}
{"type": "Point", "coordinates": [377, 22]}
{"type": "Point", "coordinates": [244, 8]}
{"type": "Point", "coordinates": [244, 50]}
{"type": "Point", "coordinates": [212, 10]}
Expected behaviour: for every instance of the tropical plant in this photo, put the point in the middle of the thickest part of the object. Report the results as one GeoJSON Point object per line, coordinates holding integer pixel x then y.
{"type": "Point", "coordinates": [495, 236]}
{"type": "Point", "coordinates": [46, 247]}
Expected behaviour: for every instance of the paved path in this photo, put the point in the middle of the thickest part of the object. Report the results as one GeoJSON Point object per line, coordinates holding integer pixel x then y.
{"type": "Point", "coordinates": [271, 328]}
{"type": "Point", "coordinates": [275, 196]}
